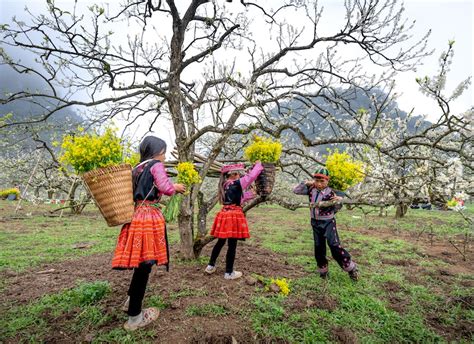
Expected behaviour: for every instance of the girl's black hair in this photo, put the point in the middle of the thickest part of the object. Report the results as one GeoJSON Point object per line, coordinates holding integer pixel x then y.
{"type": "Point", "coordinates": [220, 190]}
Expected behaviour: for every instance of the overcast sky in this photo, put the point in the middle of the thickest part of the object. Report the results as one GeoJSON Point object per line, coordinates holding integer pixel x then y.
{"type": "Point", "coordinates": [448, 20]}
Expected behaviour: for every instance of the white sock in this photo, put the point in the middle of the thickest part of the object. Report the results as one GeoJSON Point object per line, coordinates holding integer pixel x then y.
{"type": "Point", "coordinates": [135, 319]}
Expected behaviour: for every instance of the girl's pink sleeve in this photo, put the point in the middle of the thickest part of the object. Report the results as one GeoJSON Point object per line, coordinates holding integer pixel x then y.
{"type": "Point", "coordinates": [162, 182]}
{"type": "Point", "coordinates": [250, 177]}
{"type": "Point", "coordinates": [247, 196]}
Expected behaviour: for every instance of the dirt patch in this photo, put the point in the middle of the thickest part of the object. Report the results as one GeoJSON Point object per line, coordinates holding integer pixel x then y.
{"type": "Point", "coordinates": [398, 262]}
{"type": "Point", "coordinates": [460, 329]}
{"type": "Point", "coordinates": [312, 300]}
{"type": "Point", "coordinates": [466, 302]}
{"type": "Point", "coordinates": [395, 301]}
{"type": "Point", "coordinates": [441, 250]}
{"type": "Point", "coordinates": [391, 287]}
{"type": "Point", "coordinates": [344, 335]}
{"type": "Point", "coordinates": [185, 285]}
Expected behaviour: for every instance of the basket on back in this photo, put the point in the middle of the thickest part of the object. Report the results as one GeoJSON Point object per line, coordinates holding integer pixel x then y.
{"type": "Point", "coordinates": [112, 190]}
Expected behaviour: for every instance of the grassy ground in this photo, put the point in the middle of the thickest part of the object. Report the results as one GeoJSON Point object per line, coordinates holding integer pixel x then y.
{"type": "Point", "coordinates": [407, 291]}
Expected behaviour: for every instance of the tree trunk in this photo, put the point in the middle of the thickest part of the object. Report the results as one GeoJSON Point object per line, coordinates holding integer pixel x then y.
{"type": "Point", "coordinates": [402, 209]}
{"type": "Point", "coordinates": [202, 239]}
{"type": "Point", "coordinates": [186, 224]}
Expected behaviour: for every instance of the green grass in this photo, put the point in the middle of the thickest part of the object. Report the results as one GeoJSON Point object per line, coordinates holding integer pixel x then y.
{"type": "Point", "coordinates": [365, 309]}
{"type": "Point", "coordinates": [362, 307]}
{"type": "Point", "coordinates": [207, 310]}
{"type": "Point", "coordinates": [31, 321]}
{"type": "Point", "coordinates": [39, 239]}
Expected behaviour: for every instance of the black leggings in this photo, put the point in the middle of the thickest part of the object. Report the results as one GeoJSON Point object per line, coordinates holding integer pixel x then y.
{"type": "Point", "coordinates": [325, 230]}
{"type": "Point", "coordinates": [230, 256]}
{"type": "Point", "coordinates": [137, 288]}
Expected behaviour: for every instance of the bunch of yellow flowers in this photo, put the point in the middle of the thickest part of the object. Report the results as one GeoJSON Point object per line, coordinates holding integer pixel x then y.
{"type": "Point", "coordinates": [263, 149]}
{"type": "Point", "coordinates": [86, 152]}
{"type": "Point", "coordinates": [344, 171]}
{"type": "Point", "coordinates": [187, 174]}
{"type": "Point", "coordinates": [283, 284]}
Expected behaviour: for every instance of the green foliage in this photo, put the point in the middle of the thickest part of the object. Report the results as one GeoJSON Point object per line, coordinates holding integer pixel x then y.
{"type": "Point", "coordinates": [344, 171]}
{"type": "Point", "coordinates": [156, 301]}
{"type": "Point", "coordinates": [171, 211]}
{"type": "Point", "coordinates": [4, 193]}
{"type": "Point", "coordinates": [365, 309]}
{"type": "Point", "coordinates": [264, 149]}
{"type": "Point", "coordinates": [28, 321]}
{"type": "Point", "coordinates": [87, 294]}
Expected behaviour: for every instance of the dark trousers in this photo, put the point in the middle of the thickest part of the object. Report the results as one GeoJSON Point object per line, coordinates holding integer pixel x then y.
{"type": "Point", "coordinates": [230, 256]}
{"type": "Point", "coordinates": [137, 288]}
{"type": "Point", "coordinates": [325, 230]}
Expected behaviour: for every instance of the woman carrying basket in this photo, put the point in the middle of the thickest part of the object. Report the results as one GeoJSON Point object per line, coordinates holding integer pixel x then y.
{"type": "Point", "coordinates": [143, 242]}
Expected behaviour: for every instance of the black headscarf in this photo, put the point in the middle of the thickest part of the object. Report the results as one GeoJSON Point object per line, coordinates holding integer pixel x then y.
{"type": "Point", "coordinates": [151, 146]}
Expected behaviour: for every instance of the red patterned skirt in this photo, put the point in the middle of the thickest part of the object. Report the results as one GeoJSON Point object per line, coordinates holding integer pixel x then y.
{"type": "Point", "coordinates": [230, 222]}
{"type": "Point", "coordinates": [144, 239]}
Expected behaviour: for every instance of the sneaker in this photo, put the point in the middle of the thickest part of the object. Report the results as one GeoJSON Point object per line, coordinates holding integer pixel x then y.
{"type": "Point", "coordinates": [149, 315]}
{"type": "Point", "coordinates": [210, 269]}
{"type": "Point", "coordinates": [233, 275]}
{"type": "Point", "coordinates": [354, 274]}
{"type": "Point", "coordinates": [124, 306]}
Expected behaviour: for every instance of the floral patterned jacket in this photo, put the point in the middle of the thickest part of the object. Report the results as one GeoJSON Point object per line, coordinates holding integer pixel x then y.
{"type": "Point", "coordinates": [315, 196]}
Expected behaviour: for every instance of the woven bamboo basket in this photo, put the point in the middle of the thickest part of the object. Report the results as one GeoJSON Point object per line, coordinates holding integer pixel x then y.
{"type": "Point", "coordinates": [266, 180]}
{"type": "Point", "coordinates": [112, 190]}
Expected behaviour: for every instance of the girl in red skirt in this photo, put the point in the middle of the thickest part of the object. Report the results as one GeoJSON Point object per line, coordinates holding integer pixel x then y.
{"type": "Point", "coordinates": [230, 223]}
{"type": "Point", "coordinates": [143, 242]}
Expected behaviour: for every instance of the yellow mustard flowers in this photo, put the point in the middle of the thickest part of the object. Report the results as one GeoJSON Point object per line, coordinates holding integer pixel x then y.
{"type": "Point", "coordinates": [86, 152]}
{"type": "Point", "coordinates": [283, 284]}
{"type": "Point", "coordinates": [264, 149]}
{"type": "Point", "coordinates": [188, 176]}
{"type": "Point", "coordinates": [344, 171]}
{"type": "Point", "coordinates": [4, 193]}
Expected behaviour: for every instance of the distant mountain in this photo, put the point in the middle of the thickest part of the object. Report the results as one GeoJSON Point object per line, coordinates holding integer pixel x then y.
{"type": "Point", "coordinates": [313, 125]}
{"type": "Point", "coordinates": [23, 110]}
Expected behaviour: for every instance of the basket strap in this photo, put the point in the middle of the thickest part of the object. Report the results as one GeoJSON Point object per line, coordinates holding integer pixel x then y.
{"type": "Point", "coordinates": [148, 193]}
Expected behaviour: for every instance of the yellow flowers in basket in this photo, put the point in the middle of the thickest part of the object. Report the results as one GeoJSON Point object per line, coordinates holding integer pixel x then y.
{"type": "Point", "coordinates": [86, 152]}
{"type": "Point", "coordinates": [101, 162]}
{"type": "Point", "coordinates": [264, 149]}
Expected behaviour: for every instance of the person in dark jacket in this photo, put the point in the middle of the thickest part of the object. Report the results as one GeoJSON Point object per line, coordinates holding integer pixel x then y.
{"type": "Point", "coordinates": [324, 205]}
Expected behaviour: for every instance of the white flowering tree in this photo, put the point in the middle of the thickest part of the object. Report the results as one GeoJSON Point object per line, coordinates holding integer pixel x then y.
{"type": "Point", "coordinates": [29, 161]}
{"type": "Point", "coordinates": [218, 72]}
